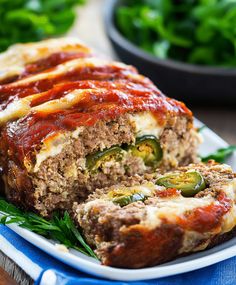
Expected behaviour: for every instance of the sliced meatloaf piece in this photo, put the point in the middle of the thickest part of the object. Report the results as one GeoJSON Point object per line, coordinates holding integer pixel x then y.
{"type": "Point", "coordinates": [148, 221]}
{"type": "Point", "coordinates": [71, 122]}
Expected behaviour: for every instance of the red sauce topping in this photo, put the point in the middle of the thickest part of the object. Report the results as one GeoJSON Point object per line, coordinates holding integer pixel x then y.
{"type": "Point", "coordinates": [9, 79]}
{"type": "Point", "coordinates": [51, 61]}
{"type": "Point", "coordinates": [45, 64]}
{"type": "Point", "coordinates": [209, 217]}
{"type": "Point", "coordinates": [169, 192]}
{"type": "Point", "coordinates": [61, 90]}
{"type": "Point", "coordinates": [106, 73]}
{"type": "Point", "coordinates": [25, 134]}
{"type": "Point", "coordinates": [111, 93]}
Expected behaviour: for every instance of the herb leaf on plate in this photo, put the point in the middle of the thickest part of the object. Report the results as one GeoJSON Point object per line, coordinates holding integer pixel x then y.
{"type": "Point", "coordinates": [59, 228]}
{"type": "Point", "coordinates": [221, 154]}
{"type": "Point", "coordinates": [200, 129]}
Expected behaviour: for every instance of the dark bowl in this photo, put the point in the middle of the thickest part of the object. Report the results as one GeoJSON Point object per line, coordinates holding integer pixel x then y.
{"type": "Point", "coordinates": [191, 83]}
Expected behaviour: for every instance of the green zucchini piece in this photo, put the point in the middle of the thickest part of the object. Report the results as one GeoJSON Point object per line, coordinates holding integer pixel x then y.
{"type": "Point", "coordinates": [190, 183]}
{"type": "Point", "coordinates": [94, 161]}
{"type": "Point", "coordinates": [148, 148]}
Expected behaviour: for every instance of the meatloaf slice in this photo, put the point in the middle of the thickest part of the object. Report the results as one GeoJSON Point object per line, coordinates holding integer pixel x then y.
{"type": "Point", "coordinates": [71, 122]}
{"type": "Point", "coordinates": [60, 173]}
{"type": "Point", "coordinates": [143, 223]}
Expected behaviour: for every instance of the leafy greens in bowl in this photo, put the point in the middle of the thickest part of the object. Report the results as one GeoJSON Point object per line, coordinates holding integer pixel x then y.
{"type": "Point", "coordinates": [194, 83]}
{"type": "Point", "coordinates": [33, 20]}
{"type": "Point", "coordinates": [197, 31]}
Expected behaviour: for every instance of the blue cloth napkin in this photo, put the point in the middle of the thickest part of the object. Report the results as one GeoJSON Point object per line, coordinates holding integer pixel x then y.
{"type": "Point", "coordinates": [46, 270]}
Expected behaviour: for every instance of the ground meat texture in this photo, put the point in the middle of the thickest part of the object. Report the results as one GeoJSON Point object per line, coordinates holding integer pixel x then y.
{"type": "Point", "coordinates": [179, 141]}
{"type": "Point", "coordinates": [162, 227]}
{"type": "Point", "coordinates": [63, 179]}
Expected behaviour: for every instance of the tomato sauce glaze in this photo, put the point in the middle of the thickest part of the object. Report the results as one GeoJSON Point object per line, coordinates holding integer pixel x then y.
{"type": "Point", "coordinates": [108, 92]}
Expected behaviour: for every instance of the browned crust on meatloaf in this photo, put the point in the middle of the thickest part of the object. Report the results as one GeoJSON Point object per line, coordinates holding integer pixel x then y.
{"type": "Point", "coordinates": [147, 248]}
{"type": "Point", "coordinates": [139, 247]}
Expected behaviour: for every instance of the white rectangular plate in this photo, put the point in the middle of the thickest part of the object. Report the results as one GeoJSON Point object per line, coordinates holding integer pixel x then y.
{"type": "Point", "coordinates": [180, 265]}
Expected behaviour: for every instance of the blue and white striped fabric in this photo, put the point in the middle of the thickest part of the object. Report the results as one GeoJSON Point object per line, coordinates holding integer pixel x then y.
{"type": "Point", "coordinates": [46, 270]}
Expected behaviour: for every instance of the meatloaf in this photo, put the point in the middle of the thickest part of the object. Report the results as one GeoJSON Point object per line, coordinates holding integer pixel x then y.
{"type": "Point", "coordinates": [148, 221]}
{"type": "Point", "coordinates": [72, 121]}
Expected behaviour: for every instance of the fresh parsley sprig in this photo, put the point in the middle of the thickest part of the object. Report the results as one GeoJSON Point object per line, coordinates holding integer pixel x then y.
{"type": "Point", "coordinates": [59, 228]}
{"type": "Point", "coordinates": [221, 154]}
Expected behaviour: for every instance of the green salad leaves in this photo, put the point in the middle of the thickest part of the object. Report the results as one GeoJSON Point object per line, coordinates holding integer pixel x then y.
{"type": "Point", "coordinates": [33, 20]}
{"type": "Point", "coordinates": [194, 31]}
{"type": "Point", "coordinates": [60, 228]}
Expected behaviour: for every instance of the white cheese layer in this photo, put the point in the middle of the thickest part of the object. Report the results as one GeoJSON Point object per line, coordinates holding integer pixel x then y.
{"type": "Point", "coordinates": [192, 238]}
{"type": "Point", "coordinates": [146, 189]}
{"type": "Point", "coordinates": [146, 124]}
{"type": "Point", "coordinates": [229, 220]}
{"type": "Point", "coordinates": [13, 61]}
{"type": "Point", "coordinates": [53, 146]}
{"type": "Point", "coordinates": [171, 208]}
{"type": "Point", "coordinates": [71, 65]}
{"type": "Point", "coordinates": [21, 107]}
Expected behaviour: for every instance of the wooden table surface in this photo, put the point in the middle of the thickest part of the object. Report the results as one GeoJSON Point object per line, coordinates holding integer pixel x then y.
{"type": "Point", "coordinates": [89, 27]}
{"type": "Point", "coordinates": [5, 278]}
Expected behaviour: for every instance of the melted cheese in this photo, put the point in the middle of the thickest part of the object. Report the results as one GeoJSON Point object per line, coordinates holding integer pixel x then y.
{"type": "Point", "coordinates": [21, 107]}
{"type": "Point", "coordinates": [13, 61]}
{"type": "Point", "coordinates": [192, 238]}
{"type": "Point", "coordinates": [15, 110]}
{"type": "Point", "coordinates": [53, 146]}
{"type": "Point", "coordinates": [191, 241]}
{"type": "Point", "coordinates": [65, 102]}
{"type": "Point", "coordinates": [172, 208]}
{"type": "Point", "coordinates": [71, 65]}
{"type": "Point", "coordinates": [146, 124]}
{"type": "Point", "coordinates": [18, 108]}
{"type": "Point", "coordinates": [146, 189]}
{"type": "Point", "coordinates": [229, 220]}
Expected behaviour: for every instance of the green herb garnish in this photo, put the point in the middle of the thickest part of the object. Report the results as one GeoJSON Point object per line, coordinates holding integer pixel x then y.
{"type": "Point", "coordinates": [200, 129]}
{"type": "Point", "coordinates": [221, 154]}
{"type": "Point", "coordinates": [59, 228]}
{"type": "Point", "coordinates": [33, 20]}
{"type": "Point", "coordinates": [198, 32]}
